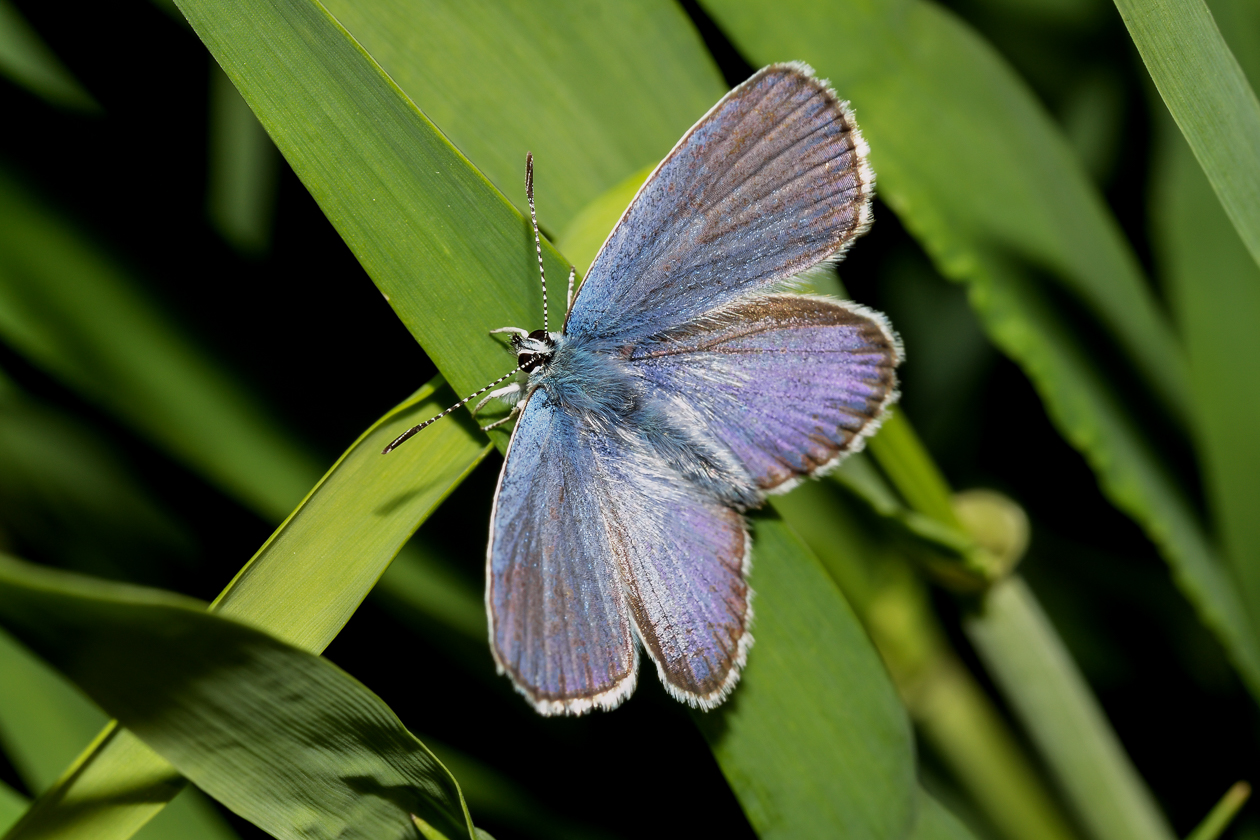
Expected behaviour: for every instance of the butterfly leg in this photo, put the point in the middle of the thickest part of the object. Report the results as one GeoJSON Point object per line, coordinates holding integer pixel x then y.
{"type": "Point", "coordinates": [516, 409]}
{"type": "Point", "coordinates": [507, 393]}
{"type": "Point", "coordinates": [513, 330]}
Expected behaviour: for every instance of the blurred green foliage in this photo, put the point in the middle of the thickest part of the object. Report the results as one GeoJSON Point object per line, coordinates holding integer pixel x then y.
{"type": "Point", "coordinates": [185, 343]}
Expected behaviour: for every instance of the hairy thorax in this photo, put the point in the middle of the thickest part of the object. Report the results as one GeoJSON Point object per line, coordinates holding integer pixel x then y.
{"type": "Point", "coordinates": [609, 399]}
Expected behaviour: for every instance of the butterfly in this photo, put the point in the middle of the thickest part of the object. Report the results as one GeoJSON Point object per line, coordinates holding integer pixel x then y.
{"type": "Point", "coordinates": [687, 383]}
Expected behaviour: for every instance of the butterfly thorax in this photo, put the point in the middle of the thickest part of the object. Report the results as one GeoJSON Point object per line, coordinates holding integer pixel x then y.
{"type": "Point", "coordinates": [593, 383]}
{"type": "Point", "coordinates": [582, 380]}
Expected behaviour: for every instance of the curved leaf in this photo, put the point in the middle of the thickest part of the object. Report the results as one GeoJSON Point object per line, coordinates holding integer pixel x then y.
{"type": "Point", "coordinates": [44, 723]}
{"type": "Point", "coordinates": [302, 586]}
{"type": "Point", "coordinates": [283, 737]}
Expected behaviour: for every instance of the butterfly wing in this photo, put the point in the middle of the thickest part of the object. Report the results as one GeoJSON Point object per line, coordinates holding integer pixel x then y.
{"type": "Point", "coordinates": [770, 182]}
{"type": "Point", "coordinates": [594, 534]}
{"type": "Point", "coordinates": [789, 383]}
{"type": "Point", "coordinates": [559, 620]}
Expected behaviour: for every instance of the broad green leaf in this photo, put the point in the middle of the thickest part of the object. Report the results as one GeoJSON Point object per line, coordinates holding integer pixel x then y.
{"type": "Point", "coordinates": [244, 170]}
{"type": "Point", "coordinates": [940, 110]}
{"type": "Point", "coordinates": [561, 79]}
{"type": "Point", "coordinates": [27, 61]}
{"type": "Point", "coordinates": [74, 311]}
{"type": "Point", "coordinates": [281, 736]}
{"type": "Point", "coordinates": [967, 158]}
{"type": "Point", "coordinates": [1214, 287]}
{"type": "Point", "coordinates": [814, 742]}
{"type": "Point", "coordinates": [1207, 93]}
{"type": "Point", "coordinates": [1019, 646]}
{"type": "Point", "coordinates": [44, 723]}
{"type": "Point", "coordinates": [302, 586]}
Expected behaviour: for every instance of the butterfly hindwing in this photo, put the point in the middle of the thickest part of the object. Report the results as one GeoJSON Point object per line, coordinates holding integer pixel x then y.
{"type": "Point", "coordinates": [787, 382]}
{"type": "Point", "coordinates": [770, 182]}
{"type": "Point", "coordinates": [683, 556]}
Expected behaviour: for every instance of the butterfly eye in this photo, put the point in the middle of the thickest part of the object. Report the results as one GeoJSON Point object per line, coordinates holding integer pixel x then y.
{"type": "Point", "coordinates": [541, 335]}
{"type": "Point", "coordinates": [529, 361]}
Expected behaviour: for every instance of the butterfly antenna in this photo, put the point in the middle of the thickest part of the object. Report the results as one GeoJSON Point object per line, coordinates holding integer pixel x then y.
{"type": "Point", "coordinates": [533, 217]}
{"type": "Point", "coordinates": [401, 439]}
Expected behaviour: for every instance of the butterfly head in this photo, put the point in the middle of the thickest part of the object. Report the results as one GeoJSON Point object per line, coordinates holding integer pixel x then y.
{"type": "Point", "coordinates": [534, 349]}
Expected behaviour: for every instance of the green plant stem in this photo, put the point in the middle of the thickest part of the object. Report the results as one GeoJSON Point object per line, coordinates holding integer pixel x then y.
{"type": "Point", "coordinates": [906, 462]}
{"type": "Point", "coordinates": [1026, 658]}
{"type": "Point", "coordinates": [1219, 818]}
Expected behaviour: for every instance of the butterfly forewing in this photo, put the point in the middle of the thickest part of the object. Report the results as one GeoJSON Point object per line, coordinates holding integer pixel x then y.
{"type": "Point", "coordinates": [559, 621]}
{"type": "Point", "coordinates": [770, 182]}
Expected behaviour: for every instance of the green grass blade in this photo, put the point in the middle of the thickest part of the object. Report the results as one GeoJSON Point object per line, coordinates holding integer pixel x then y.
{"type": "Point", "coordinates": [307, 580]}
{"type": "Point", "coordinates": [302, 586]}
{"type": "Point", "coordinates": [814, 742]}
{"type": "Point", "coordinates": [561, 79]}
{"type": "Point", "coordinates": [1214, 287]}
{"type": "Point", "coordinates": [72, 310]}
{"type": "Point", "coordinates": [1060, 714]}
{"type": "Point", "coordinates": [1219, 818]}
{"type": "Point", "coordinates": [1207, 93]}
{"type": "Point", "coordinates": [967, 158]}
{"type": "Point", "coordinates": [27, 61]}
{"type": "Point", "coordinates": [244, 171]}
{"type": "Point", "coordinates": [281, 736]}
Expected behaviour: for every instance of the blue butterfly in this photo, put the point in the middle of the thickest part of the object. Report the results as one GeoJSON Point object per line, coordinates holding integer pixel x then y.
{"type": "Point", "coordinates": [684, 387]}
